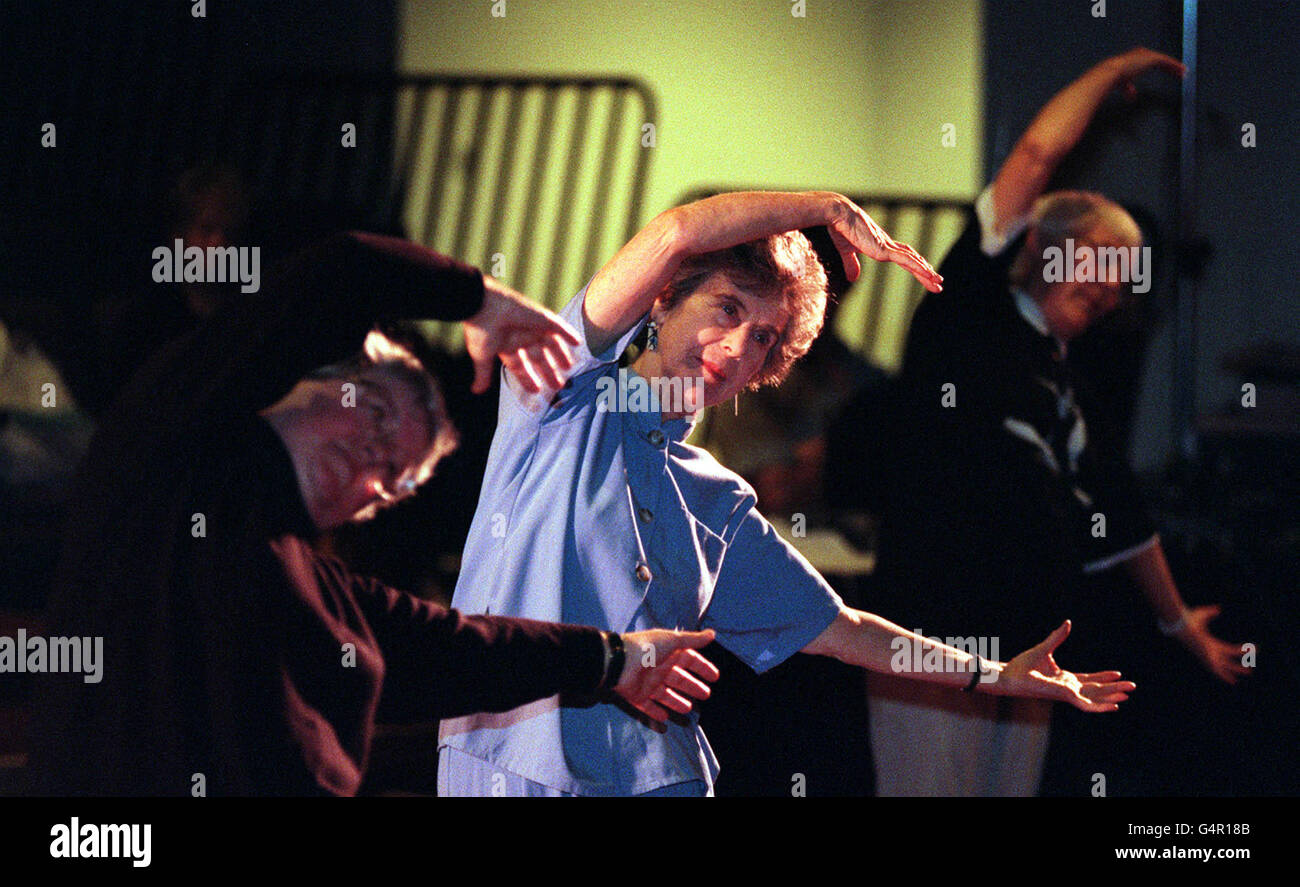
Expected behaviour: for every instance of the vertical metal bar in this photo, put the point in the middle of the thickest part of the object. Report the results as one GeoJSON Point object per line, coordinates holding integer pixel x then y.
{"type": "Point", "coordinates": [464, 219]}
{"type": "Point", "coordinates": [399, 182]}
{"type": "Point", "coordinates": [505, 171]}
{"type": "Point", "coordinates": [1183, 363]}
{"type": "Point", "coordinates": [608, 154]}
{"type": "Point", "coordinates": [642, 166]}
{"type": "Point", "coordinates": [541, 159]}
{"type": "Point", "coordinates": [442, 161]}
{"type": "Point", "coordinates": [878, 285]}
{"type": "Point", "coordinates": [556, 275]}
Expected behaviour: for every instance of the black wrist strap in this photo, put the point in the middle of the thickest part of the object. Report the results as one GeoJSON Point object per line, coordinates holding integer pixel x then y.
{"type": "Point", "coordinates": [615, 657]}
{"type": "Point", "coordinates": [975, 677]}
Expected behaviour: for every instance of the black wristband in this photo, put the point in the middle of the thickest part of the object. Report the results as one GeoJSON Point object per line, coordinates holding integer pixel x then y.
{"type": "Point", "coordinates": [975, 677]}
{"type": "Point", "coordinates": [614, 664]}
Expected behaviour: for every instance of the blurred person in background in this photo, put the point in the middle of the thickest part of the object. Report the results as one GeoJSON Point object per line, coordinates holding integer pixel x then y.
{"type": "Point", "coordinates": [998, 498]}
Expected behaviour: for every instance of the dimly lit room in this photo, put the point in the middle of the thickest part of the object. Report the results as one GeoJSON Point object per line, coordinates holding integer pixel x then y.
{"type": "Point", "coordinates": [760, 398]}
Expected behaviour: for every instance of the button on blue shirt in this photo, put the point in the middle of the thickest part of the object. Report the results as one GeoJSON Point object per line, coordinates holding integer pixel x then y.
{"type": "Point", "coordinates": [602, 517]}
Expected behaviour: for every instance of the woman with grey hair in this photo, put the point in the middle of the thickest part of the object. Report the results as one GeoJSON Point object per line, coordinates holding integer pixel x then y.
{"type": "Point", "coordinates": [595, 509]}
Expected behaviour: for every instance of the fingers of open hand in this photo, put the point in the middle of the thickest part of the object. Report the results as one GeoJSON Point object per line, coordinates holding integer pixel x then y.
{"type": "Point", "coordinates": [1053, 640]}
{"type": "Point", "coordinates": [539, 322]}
{"type": "Point", "coordinates": [686, 684]}
{"type": "Point", "coordinates": [848, 255]}
{"type": "Point", "coordinates": [1111, 692]}
{"type": "Point", "coordinates": [563, 350]}
{"type": "Point", "coordinates": [548, 339]}
{"type": "Point", "coordinates": [548, 368]}
{"type": "Point", "coordinates": [547, 349]}
{"type": "Point", "coordinates": [694, 662]}
{"type": "Point", "coordinates": [1047, 665]}
{"type": "Point", "coordinates": [867, 236]}
{"type": "Point", "coordinates": [1141, 59]}
{"type": "Point", "coordinates": [1081, 699]}
{"type": "Point", "coordinates": [1226, 672]}
{"type": "Point", "coordinates": [672, 700]}
{"type": "Point", "coordinates": [1204, 615]}
{"type": "Point", "coordinates": [483, 367]}
{"type": "Point", "coordinates": [1224, 660]}
{"type": "Point", "coordinates": [654, 711]}
{"type": "Point", "coordinates": [869, 239]}
{"type": "Point", "coordinates": [1166, 63]}
{"type": "Point", "coordinates": [662, 705]}
{"type": "Point", "coordinates": [1098, 677]}
{"type": "Point", "coordinates": [1093, 707]}
{"type": "Point", "coordinates": [880, 246]}
{"type": "Point", "coordinates": [1096, 695]}
{"type": "Point", "coordinates": [912, 261]}
{"type": "Point", "coordinates": [519, 366]}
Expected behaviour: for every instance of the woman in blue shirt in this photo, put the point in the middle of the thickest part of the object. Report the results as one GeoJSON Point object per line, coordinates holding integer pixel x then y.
{"type": "Point", "coordinates": [594, 511]}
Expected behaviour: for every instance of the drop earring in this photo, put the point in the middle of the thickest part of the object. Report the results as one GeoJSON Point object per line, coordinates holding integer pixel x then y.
{"type": "Point", "coordinates": [652, 336]}
{"type": "Point", "coordinates": [735, 406]}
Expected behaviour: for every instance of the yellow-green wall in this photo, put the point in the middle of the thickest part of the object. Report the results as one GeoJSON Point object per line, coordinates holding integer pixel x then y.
{"type": "Point", "coordinates": [854, 96]}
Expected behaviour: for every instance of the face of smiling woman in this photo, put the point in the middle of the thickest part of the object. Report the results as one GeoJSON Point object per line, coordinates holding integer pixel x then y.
{"type": "Point", "coordinates": [720, 334]}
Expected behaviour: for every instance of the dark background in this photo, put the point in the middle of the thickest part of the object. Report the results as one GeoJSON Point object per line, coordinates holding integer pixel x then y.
{"type": "Point", "coordinates": [141, 91]}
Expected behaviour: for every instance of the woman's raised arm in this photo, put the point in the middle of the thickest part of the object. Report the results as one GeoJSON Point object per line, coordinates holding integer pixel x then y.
{"type": "Point", "coordinates": [1060, 125]}
{"type": "Point", "coordinates": [623, 290]}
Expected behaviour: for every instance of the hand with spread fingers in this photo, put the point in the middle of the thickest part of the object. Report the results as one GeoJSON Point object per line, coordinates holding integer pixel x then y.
{"type": "Point", "coordinates": [663, 674]}
{"type": "Point", "coordinates": [1221, 658]}
{"type": "Point", "coordinates": [1035, 673]}
{"type": "Point", "coordinates": [532, 343]}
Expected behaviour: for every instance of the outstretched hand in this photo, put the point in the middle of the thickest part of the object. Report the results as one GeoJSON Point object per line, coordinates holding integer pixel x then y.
{"type": "Point", "coordinates": [532, 342]}
{"type": "Point", "coordinates": [856, 232]}
{"type": "Point", "coordinates": [1221, 658]}
{"type": "Point", "coordinates": [662, 673]}
{"type": "Point", "coordinates": [1035, 673]}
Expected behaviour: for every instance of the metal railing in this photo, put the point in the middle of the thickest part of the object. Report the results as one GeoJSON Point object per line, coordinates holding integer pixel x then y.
{"type": "Point", "coordinates": [538, 180]}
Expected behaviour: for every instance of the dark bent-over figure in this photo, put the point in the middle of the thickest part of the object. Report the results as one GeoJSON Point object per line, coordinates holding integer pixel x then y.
{"type": "Point", "coordinates": [236, 659]}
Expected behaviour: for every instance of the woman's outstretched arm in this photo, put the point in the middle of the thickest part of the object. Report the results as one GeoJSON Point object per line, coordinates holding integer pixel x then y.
{"type": "Point", "coordinates": [868, 641]}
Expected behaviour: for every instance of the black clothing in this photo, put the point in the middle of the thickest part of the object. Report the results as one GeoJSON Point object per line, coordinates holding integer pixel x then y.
{"type": "Point", "coordinates": [231, 649]}
{"type": "Point", "coordinates": [990, 501]}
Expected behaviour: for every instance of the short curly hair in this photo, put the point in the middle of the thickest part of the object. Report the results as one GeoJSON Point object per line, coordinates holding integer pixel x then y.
{"type": "Point", "coordinates": [783, 266]}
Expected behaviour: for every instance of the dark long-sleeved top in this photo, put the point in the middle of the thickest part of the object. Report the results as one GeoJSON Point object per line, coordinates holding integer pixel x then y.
{"type": "Point", "coordinates": [236, 659]}
{"type": "Point", "coordinates": [997, 494]}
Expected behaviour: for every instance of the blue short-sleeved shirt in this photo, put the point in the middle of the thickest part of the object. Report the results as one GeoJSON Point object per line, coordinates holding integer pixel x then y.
{"type": "Point", "coordinates": [603, 517]}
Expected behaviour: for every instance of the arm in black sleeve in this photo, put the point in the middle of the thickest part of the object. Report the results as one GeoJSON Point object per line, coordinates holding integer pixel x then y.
{"type": "Point", "coordinates": [314, 311]}
{"type": "Point", "coordinates": [440, 663]}
{"type": "Point", "coordinates": [966, 269]}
